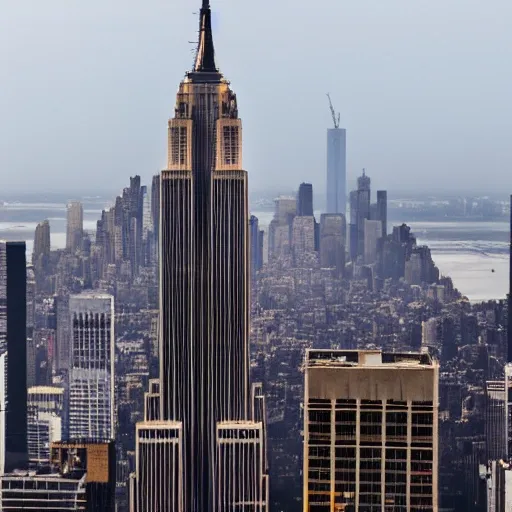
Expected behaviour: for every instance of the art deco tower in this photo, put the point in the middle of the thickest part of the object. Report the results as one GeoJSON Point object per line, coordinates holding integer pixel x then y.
{"type": "Point", "coordinates": [204, 284]}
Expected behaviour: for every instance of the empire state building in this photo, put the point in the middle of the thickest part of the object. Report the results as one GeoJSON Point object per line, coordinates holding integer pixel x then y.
{"type": "Point", "coordinates": [206, 449]}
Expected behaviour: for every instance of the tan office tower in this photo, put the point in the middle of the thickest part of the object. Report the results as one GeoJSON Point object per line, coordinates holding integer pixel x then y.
{"type": "Point", "coordinates": [370, 431]}
{"type": "Point", "coordinates": [75, 226]}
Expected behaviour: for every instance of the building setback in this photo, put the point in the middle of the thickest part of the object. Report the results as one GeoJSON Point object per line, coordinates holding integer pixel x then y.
{"type": "Point", "coordinates": [370, 431]}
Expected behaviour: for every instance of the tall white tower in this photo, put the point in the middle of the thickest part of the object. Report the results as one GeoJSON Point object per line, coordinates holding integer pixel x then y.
{"type": "Point", "coordinates": [336, 170]}
{"type": "Point", "coordinates": [336, 165]}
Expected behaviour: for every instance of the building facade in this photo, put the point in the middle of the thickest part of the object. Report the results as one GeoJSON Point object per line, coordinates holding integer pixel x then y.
{"type": "Point", "coordinates": [41, 241]}
{"type": "Point", "coordinates": [91, 373]}
{"type": "Point", "coordinates": [75, 225]}
{"type": "Point", "coordinates": [336, 170]}
{"type": "Point", "coordinates": [204, 296]}
{"type": "Point", "coordinates": [370, 431]}
{"type": "Point", "coordinates": [45, 415]}
{"type": "Point", "coordinates": [13, 341]}
{"type": "Point", "coordinates": [305, 200]}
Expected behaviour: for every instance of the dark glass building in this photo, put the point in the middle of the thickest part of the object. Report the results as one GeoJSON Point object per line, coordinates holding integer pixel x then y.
{"type": "Point", "coordinates": [382, 210]}
{"type": "Point", "coordinates": [13, 339]}
{"type": "Point", "coordinates": [305, 200]}
{"type": "Point", "coordinates": [256, 238]}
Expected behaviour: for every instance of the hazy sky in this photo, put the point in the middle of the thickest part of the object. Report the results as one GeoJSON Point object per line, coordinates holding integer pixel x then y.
{"type": "Point", "coordinates": [423, 86]}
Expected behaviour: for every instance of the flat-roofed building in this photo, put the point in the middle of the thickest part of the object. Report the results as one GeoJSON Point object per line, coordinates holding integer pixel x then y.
{"type": "Point", "coordinates": [370, 431]}
{"type": "Point", "coordinates": [82, 478]}
{"type": "Point", "coordinates": [45, 414]}
{"type": "Point", "coordinates": [91, 374]}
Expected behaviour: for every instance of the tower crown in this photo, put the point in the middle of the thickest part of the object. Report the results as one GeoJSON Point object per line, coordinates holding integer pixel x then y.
{"type": "Point", "coordinates": [205, 56]}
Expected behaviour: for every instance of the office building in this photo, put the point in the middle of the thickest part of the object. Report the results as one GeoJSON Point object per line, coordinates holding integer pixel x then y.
{"type": "Point", "coordinates": [372, 233]}
{"type": "Point", "coordinates": [333, 229]}
{"type": "Point", "coordinates": [45, 419]}
{"type": "Point", "coordinates": [155, 214]}
{"type": "Point", "coordinates": [382, 210]}
{"type": "Point", "coordinates": [508, 412]}
{"type": "Point", "coordinates": [305, 200]}
{"type": "Point", "coordinates": [13, 340]}
{"type": "Point", "coordinates": [3, 409]}
{"type": "Point", "coordinates": [303, 242]}
{"type": "Point", "coordinates": [509, 322]}
{"type": "Point", "coordinates": [91, 373]}
{"type": "Point", "coordinates": [496, 420]}
{"type": "Point", "coordinates": [82, 478]}
{"type": "Point", "coordinates": [204, 290]}
{"type": "Point", "coordinates": [370, 431]}
{"type": "Point", "coordinates": [336, 170]}
{"type": "Point", "coordinates": [147, 249]}
{"type": "Point", "coordinates": [41, 241]}
{"type": "Point", "coordinates": [280, 228]}
{"type": "Point", "coordinates": [256, 241]}
{"type": "Point", "coordinates": [63, 332]}
{"type": "Point", "coordinates": [75, 226]}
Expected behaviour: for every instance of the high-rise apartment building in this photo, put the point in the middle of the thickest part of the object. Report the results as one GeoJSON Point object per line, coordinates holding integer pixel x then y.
{"type": "Point", "coordinates": [370, 431]}
{"type": "Point", "coordinates": [305, 200]}
{"type": "Point", "coordinates": [75, 226]}
{"type": "Point", "coordinates": [91, 372]}
{"type": "Point", "coordinates": [13, 341]}
{"type": "Point", "coordinates": [204, 303]}
{"type": "Point", "coordinates": [336, 170]}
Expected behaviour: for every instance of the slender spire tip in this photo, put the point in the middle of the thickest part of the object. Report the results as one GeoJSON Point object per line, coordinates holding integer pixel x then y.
{"type": "Point", "coordinates": [205, 57]}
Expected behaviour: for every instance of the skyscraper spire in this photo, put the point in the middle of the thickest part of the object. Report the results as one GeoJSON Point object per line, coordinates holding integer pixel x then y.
{"type": "Point", "coordinates": [205, 58]}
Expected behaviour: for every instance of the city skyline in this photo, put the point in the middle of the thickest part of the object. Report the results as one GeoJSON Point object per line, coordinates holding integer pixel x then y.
{"type": "Point", "coordinates": [390, 75]}
{"type": "Point", "coordinates": [179, 351]}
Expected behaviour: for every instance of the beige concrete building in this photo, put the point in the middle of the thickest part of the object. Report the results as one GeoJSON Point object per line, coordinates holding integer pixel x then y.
{"type": "Point", "coordinates": [370, 431]}
{"type": "Point", "coordinates": [75, 225]}
{"type": "Point", "coordinates": [372, 232]}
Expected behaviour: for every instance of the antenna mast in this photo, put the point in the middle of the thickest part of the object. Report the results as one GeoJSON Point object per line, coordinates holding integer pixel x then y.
{"type": "Point", "coordinates": [335, 118]}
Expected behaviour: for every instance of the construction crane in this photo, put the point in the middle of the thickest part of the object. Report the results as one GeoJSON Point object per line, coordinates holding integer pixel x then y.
{"type": "Point", "coordinates": [336, 119]}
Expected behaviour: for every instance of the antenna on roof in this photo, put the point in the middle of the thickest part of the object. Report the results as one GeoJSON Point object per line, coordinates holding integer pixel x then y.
{"type": "Point", "coordinates": [335, 117]}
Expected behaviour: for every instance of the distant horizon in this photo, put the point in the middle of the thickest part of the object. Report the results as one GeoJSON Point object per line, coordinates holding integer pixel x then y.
{"type": "Point", "coordinates": [12, 194]}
